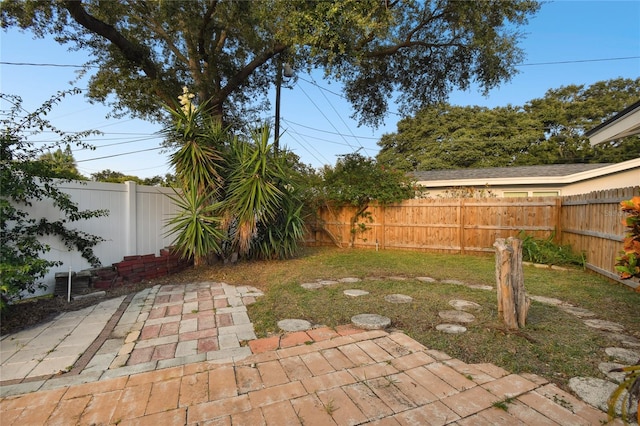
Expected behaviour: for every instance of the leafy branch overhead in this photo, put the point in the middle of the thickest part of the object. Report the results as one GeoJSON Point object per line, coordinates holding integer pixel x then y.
{"type": "Point", "coordinates": [146, 52]}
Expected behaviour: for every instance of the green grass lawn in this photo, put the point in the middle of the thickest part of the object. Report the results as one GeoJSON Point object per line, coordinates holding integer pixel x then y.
{"type": "Point", "coordinates": [554, 344]}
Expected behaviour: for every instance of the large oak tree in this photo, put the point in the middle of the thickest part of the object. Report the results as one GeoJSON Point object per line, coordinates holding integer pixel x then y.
{"type": "Point", "coordinates": [226, 51]}
{"type": "Point", "coordinates": [548, 130]}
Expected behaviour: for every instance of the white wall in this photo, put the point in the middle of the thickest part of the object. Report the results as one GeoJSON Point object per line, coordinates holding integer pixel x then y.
{"type": "Point", "coordinates": [135, 224]}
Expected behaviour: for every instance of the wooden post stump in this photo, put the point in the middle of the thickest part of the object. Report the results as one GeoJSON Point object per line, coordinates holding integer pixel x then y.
{"type": "Point", "coordinates": [513, 302]}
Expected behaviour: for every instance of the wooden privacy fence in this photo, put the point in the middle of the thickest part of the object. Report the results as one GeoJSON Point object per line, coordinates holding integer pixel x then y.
{"type": "Point", "coordinates": [590, 223]}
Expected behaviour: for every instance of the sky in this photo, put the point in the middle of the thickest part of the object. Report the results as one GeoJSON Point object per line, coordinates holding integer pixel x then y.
{"type": "Point", "coordinates": [567, 42]}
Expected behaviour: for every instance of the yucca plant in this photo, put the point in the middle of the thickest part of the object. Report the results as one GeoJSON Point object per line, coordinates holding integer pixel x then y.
{"type": "Point", "coordinates": [626, 393]}
{"type": "Point", "coordinates": [196, 226]}
{"type": "Point", "coordinates": [197, 163]}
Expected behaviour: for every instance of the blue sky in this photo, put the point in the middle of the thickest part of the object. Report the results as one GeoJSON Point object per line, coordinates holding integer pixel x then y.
{"type": "Point", "coordinates": [567, 42]}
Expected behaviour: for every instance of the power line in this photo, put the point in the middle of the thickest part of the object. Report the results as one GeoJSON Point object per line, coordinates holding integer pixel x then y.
{"type": "Point", "coordinates": [578, 61]}
{"type": "Point", "coordinates": [331, 133]}
{"type": "Point", "coordinates": [574, 61]}
{"type": "Point", "coordinates": [118, 155]}
{"type": "Point", "coordinates": [323, 114]}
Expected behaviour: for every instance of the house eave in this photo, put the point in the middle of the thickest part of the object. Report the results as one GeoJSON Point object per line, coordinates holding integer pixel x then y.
{"type": "Point", "coordinates": [534, 180]}
{"type": "Point", "coordinates": [626, 123]}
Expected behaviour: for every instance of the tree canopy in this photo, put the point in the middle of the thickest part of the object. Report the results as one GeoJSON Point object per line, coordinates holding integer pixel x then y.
{"type": "Point", "coordinates": [549, 130]}
{"type": "Point", "coordinates": [226, 51]}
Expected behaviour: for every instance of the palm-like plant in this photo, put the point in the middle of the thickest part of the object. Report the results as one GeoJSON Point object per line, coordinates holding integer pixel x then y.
{"type": "Point", "coordinates": [196, 162]}
{"type": "Point", "coordinates": [196, 224]}
{"type": "Point", "coordinates": [253, 194]}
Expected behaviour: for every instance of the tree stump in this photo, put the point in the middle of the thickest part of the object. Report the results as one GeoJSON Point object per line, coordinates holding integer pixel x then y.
{"type": "Point", "coordinates": [513, 302]}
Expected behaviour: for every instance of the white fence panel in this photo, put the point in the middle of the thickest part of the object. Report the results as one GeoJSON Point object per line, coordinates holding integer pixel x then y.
{"type": "Point", "coordinates": [134, 225]}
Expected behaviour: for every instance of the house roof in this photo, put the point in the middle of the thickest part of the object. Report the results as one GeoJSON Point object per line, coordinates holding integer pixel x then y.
{"type": "Point", "coordinates": [623, 124]}
{"type": "Point", "coordinates": [506, 172]}
{"type": "Point", "coordinates": [552, 174]}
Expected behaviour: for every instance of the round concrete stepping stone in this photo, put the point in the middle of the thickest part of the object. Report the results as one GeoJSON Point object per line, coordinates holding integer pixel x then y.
{"type": "Point", "coordinates": [311, 286]}
{"type": "Point", "coordinates": [593, 391]}
{"type": "Point", "coordinates": [349, 280]}
{"type": "Point", "coordinates": [623, 355]}
{"type": "Point", "coordinates": [451, 328]}
{"type": "Point", "coordinates": [604, 325]}
{"type": "Point", "coordinates": [456, 316]}
{"type": "Point", "coordinates": [578, 312]}
{"type": "Point", "coordinates": [606, 367]}
{"type": "Point", "coordinates": [370, 321]}
{"type": "Point", "coordinates": [464, 305]}
{"type": "Point", "coordinates": [294, 325]}
{"type": "Point", "coordinates": [398, 298]}
{"type": "Point", "coordinates": [355, 292]}
{"type": "Point", "coordinates": [426, 279]}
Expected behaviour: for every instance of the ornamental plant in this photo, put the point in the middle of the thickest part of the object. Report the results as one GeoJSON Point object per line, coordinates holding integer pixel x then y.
{"type": "Point", "coordinates": [628, 263]}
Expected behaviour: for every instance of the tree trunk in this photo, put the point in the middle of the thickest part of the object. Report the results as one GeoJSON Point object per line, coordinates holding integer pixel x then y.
{"type": "Point", "coordinates": [513, 302]}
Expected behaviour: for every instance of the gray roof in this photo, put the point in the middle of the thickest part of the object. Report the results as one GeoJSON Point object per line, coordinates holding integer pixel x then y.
{"type": "Point", "coordinates": [506, 172]}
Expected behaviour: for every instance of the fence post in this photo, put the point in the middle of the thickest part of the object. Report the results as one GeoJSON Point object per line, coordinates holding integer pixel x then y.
{"type": "Point", "coordinates": [558, 215]}
{"type": "Point", "coordinates": [130, 218]}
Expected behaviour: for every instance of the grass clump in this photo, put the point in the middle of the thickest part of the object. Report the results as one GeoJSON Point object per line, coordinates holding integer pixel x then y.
{"type": "Point", "coordinates": [546, 252]}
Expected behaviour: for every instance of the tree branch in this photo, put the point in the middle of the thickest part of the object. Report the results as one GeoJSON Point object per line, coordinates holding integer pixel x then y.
{"type": "Point", "coordinates": [135, 53]}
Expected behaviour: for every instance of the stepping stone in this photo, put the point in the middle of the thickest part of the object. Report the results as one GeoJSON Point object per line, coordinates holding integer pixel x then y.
{"type": "Point", "coordinates": [451, 328]}
{"type": "Point", "coordinates": [398, 278]}
{"type": "Point", "coordinates": [593, 391]}
{"type": "Point", "coordinates": [426, 279]}
{"type": "Point", "coordinates": [349, 280]}
{"type": "Point", "coordinates": [578, 312]}
{"type": "Point", "coordinates": [370, 321]}
{"type": "Point", "coordinates": [547, 300]}
{"type": "Point", "coordinates": [625, 340]}
{"type": "Point", "coordinates": [624, 355]}
{"type": "Point", "coordinates": [464, 305]}
{"type": "Point", "coordinates": [294, 325]}
{"type": "Point", "coordinates": [311, 286]}
{"type": "Point", "coordinates": [327, 282]}
{"type": "Point", "coordinates": [355, 293]}
{"type": "Point", "coordinates": [606, 367]}
{"type": "Point", "coordinates": [480, 287]}
{"type": "Point", "coordinates": [398, 298]}
{"type": "Point", "coordinates": [456, 316]}
{"type": "Point", "coordinates": [455, 282]}
{"type": "Point", "coordinates": [604, 325]}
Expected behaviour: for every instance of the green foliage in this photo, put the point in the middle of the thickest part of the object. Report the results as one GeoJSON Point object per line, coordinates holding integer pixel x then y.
{"type": "Point", "coordinates": [546, 252]}
{"type": "Point", "coordinates": [628, 263]}
{"type": "Point", "coordinates": [196, 224]}
{"type": "Point", "coordinates": [248, 203]}
{"type": "Point", "coordinates": [25, 178]}
{"type": "Point", "coordinates": [62, 164]}
{"type": "Point", "coordinates": [145, 52]}
{"type": "Point", "coordinates": [544, 131]}
{"type": "Point", "coordinates": [357, 181]}
{"type": "Point", "coordinates": [108, 175]}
